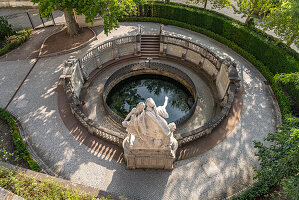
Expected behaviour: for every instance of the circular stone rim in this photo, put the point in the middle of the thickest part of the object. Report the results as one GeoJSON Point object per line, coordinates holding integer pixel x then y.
{"type": "Point", "coordinates": [147, 67]}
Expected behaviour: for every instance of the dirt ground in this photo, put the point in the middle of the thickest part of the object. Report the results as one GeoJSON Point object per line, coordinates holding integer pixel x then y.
{"type": "Point", "coordinates": [62, 41]}
{"type": "Point", "coordinates": [30, 49]}
{"type": "Point", "coordinates": [8, 152]}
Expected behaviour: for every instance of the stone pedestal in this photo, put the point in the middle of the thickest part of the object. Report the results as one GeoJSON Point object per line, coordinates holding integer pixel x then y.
{"type": "Point", "coordinates": [149, 158]}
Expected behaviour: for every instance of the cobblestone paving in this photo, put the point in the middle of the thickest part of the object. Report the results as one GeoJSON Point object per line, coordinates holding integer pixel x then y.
{"type": "Point", "coordinates": [220, 172]}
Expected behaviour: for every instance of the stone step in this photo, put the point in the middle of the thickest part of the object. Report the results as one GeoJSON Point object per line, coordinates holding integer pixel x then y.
{"type": "Point", "coordinates": [151, 44]}
{"type": "Point", "coordinates": [150, 48]}
{"type": "Point", "coordinates": [149, 52]}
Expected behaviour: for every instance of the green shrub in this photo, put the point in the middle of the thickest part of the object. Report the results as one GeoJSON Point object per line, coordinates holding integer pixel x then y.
{"type": "Point", "coordinates": [263, 47]}
{"type": "Point", "coordinates": [290, 127]}
{"type": "Point", "coordinates": [25, 35]}
{"type": "Point", "coordinates": [279, 162]}
{"type": "Point", "coordinates": [17, 139]}
{"type": "Point", "coordinates": [5, 29]}
{"type": "Point", "coordinates": [291, 82]}
{"type": "Point", "coordinates": [284, 102]}
{"type": "Point", "coordinates": [31, 188]}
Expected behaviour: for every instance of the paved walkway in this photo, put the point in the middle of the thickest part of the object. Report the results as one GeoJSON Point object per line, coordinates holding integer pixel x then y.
{"type": "Point", "coordinates": [225, 169]}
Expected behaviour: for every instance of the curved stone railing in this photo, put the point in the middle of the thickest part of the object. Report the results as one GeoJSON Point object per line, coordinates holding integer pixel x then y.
{"type": "Point", "coordinates": [77, 71]}
{"type": "Point", "coordinates": [149, 68]}
{"type": "Point", "coordinates": [222, 72]}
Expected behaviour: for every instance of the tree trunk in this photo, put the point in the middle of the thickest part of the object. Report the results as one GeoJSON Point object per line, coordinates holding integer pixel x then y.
{"type": "Point", "coordinates": [291, 40]}
{"type": "Point", "coordinates": [247, 19]}
{"type": "Point", "coordinates": [72, 26]}
{"type": "Point", "coordinates": [205, 6]}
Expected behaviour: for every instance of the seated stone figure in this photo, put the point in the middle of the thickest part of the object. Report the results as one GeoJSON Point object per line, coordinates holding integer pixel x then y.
{"type": "Point", "coordinates": [148, 127]}
{"type": "Point", "coordinates": [149, 136]}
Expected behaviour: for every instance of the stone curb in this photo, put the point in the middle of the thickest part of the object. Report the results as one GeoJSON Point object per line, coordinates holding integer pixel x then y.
{"type": "Point", "coordinates": [44, 177]}
{"type": "Point", "coordinates": [7, 195]}
{"type": "Point", "coordinates": [33, 154]}
{"type": "Point", "coordinates": [68, 50]}
{"type": "Point", "coordinates": [17, 4]}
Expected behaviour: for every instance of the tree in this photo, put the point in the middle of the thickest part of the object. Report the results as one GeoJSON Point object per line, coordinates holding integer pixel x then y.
{"type": "Point", "coordinates": [250, 7]}
{"type": "Point", "coordinates": [110, 10]}
{"type": "Point", "coordinates": [284, 20]}
{"type": "Point", "coordinates": [215, 3]}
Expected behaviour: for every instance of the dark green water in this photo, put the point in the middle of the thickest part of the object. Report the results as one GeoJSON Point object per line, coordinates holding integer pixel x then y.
{"type": "Point", "coordinates": [129, 92]}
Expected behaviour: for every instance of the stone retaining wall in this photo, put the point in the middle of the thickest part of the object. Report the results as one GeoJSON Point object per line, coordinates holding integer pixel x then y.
{"type": "Point", "coordinates": [150, 68]}
{"type": "Point", "coordinates": [222, 73]}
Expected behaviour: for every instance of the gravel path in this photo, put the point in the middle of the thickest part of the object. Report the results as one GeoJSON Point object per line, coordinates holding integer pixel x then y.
{"type": "Point", "coordinates": [220, 172]}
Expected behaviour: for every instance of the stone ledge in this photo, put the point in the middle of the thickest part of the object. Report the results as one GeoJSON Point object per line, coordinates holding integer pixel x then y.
{"type": "Point", "coordinates": [17, 4]}
{"type": "Point", "coordinates": [43, 177]}
{"type": "Point", "coordinates": [7, 195]}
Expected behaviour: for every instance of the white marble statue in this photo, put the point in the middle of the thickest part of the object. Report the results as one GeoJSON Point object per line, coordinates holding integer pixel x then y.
{"type": "Point", "coordinates": [150, 142]}
{"type": "Point", "coordinates": [147, 128]}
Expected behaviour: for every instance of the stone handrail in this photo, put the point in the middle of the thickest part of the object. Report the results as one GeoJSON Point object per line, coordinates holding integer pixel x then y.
{"type": "Point", "coordinates": [149, 68]}
{"type": "Point", "coordinates": [77, 72]}
{"type": "Point", "coordinates": [222, 72]}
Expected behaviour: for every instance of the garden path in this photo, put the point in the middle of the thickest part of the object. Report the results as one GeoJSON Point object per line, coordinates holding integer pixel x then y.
{"type": "Point", "coordinates": [220, 172]}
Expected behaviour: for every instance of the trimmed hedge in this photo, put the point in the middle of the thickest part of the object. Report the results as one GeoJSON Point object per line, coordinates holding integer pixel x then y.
{"type": "Point", "coordinates": [18, 141]}
{"type": "Point", "coordinates": [284, 102]}
{"type": "Point", "coordinates": [264, 184]}
{"type": "Point", "coordinates": [291, 83]}
{"type": "Point", "coordinates": [278, 58]}
{"type": "Point", "coordinates": [16, 43]}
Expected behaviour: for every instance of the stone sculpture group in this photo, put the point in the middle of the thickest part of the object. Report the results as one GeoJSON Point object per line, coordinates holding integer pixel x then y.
{"type": "Point", "coordinates": [150, 142]}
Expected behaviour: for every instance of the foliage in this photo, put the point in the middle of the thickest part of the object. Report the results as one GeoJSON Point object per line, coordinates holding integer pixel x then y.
{"type": "Point", "coordinates": [278, 58]}
{"type": "Point", "coordinates": [250, 7]}
{"type": "Point", "coordinates": [290, 187]}
{"type": "Point", "coordinates": [264, 184]}
{"type": "Point", "coordinates": [283, 100]}
{"type": "Point", "coordinates": [279, 162]}
{"type": "Point", "coordinates": [20, 39]}
{"type": "Point", "coordinates": [284, 20]}
{"type": "Point", "coordinates": [110, 10]}
{"type": "Point", "coordinates": [5, 29]}
{"type": "Point", "coordinates": [18, 141]}
{"type": "Point", "coordinates": [30, 188]}
{"type": "Point", "coordinates": [6, 155]}
{"type": "Point", "coordinates": [216, 4]}
{"type": "Point", "coordinates": [291, 82]}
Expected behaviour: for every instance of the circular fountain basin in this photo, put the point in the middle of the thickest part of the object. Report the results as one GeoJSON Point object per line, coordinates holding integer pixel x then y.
{"type": "Point", "coordinates": [129, 92]}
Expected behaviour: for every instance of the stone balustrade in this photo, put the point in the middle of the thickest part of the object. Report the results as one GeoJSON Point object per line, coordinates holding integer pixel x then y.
{"type": "Point", "coordinates": [222, 73]}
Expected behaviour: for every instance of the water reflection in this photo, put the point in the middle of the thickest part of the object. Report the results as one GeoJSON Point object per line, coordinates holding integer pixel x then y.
{"type": "Point", "coordinates": [129, 92]}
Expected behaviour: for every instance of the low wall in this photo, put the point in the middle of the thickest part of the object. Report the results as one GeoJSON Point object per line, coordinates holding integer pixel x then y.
{"type": "Point", "coordinates": [223, 74]}
{"type": "Point", "coordinates": [17, 4]}
{"type": "Point", "coordinates": [150, 68]}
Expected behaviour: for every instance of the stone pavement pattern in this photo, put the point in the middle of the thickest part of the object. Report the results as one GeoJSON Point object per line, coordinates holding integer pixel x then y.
{"type": "Point", "coordinates": [223, 170]}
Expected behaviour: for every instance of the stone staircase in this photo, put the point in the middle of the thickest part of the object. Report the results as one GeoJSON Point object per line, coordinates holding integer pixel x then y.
{"type": "Point", "coordinates": [150, 46]}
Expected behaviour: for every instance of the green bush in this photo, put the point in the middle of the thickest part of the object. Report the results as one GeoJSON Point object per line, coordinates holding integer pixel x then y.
{"type": "Point", "coordinates": [17, 139]}
{"type": "Point", "coordinates": [290, 82]}
{"type": "Point", "coordinates": [279, 162]}
{"type": "Point", "coordinates": [5, 29]}
{"type": "Point", "coordinates": [263, 47]}
{"type": "Point", "coordinates": [25, 35]}
{"type": "Point", "coordinates": [284, 102]}
{"type": "Point", "coordinates": [266, 181]}
{"type": "Point", "coordinates": [31, 188]}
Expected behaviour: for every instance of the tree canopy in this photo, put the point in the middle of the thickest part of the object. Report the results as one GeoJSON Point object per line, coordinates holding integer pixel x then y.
{"type": "Point", "coordinates": [215, 3]}
{"type": "Point", "coordinates": [283, 19]}
{"type": "Point", "coordinates": [250, 7]}
{"type": "Point", "coordinates": [110, 10]}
